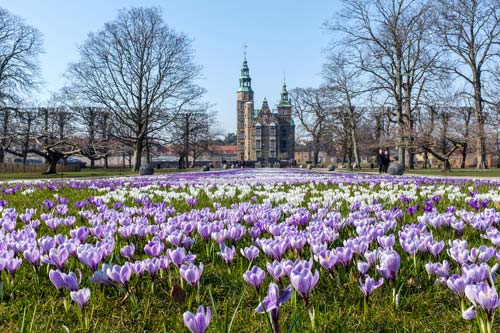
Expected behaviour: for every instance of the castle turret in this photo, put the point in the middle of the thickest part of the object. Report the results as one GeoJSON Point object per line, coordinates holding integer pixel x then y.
{"type": "Point", "coordinates": [244, 95]}
{"type": "Point", "coordinates": [284, 106]}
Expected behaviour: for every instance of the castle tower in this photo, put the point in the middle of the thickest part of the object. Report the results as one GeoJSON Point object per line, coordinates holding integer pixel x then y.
{"type": "Point", "coordinates": [244, 95]}
{"type": "Point", "coordinates": [284, 106]}
{"type": "Point", "coordinates": [286, 143]}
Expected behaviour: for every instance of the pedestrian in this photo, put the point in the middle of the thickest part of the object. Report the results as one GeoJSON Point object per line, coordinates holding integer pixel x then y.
{"type": "Point", "coordinates": [380, 161]}
{"type": "Point", "coordinates": [386, 160]}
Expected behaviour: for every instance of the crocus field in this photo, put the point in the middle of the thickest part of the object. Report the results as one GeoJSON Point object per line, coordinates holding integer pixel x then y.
{"type": "Point", "coordinates": [250, 251]}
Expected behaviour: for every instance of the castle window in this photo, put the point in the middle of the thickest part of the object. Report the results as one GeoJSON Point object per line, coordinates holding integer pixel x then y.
{"type": "Point", "coordinates": [283, 146]}
{"type": "Point", "coordinates": [272, 129]}
{"type": "Point", "coordinates": [258, 131]}
{"type": "Point", "coordinates": [257, 153]}
{"type": "Point", "coordinates": [283, 131]}
{"type": "Point", "coordinates": [272, 143]}
{"type": "Point", "coordinates": [257, 144]}
{"type": "Point", "coordinates": [273, 154]}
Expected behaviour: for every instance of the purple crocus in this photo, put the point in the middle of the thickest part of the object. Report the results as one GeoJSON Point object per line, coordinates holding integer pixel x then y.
{"type": "Point", "coordinates": [13, 265]}
{"type": "Point", "coordinates": [254, 277]}
{"type": "Point", "coordinates": [227, 253]}
{"type": "Point", "coordinates": [250, 252]}
{"type": "Point", "coordinates": [197, 323]}
{"type": "Point", "coordinates": [369, 285]}
{"type": "Point", "coordinates": [483, 296]}
{"type": "Point", "coordinates": [128, 251]}
{"type": "Point", "coordinates": [154, 248]}
{"type": "Point", "coordinates": [272, 303]}
{"type": "Point", "coordinates": [62, 280]}
{"type": "Point", "coordinates": [120, 274]}
{"type": "Point", "coordinates": [192, 202]}
{"type": "Point", "coordinates": [388, 268]}
{"type": "Point", "coordinates": [81, 297]}
{"type": "Point", "coordinates": [57, 257]}
{"type": "Point", "coordinates": [276, 270]}
{"type": "Point", "coordinates": [191, 273]}
{"type": "Point", "coordinates": [32, 255]}
{"type": "Point", "coordinates": [90, 256]}
{"type": "Point", "coordinates": [179, 257]}
{"type": "Point", "coordinates": [303, 280]}
{"type": "Point", "coordinates": [389, 264]}
{"type": "Point", "coordinates": [457, 284]}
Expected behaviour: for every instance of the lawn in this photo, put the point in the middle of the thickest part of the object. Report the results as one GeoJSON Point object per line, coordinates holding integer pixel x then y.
{"type": "Point", "coordinates": [353, 253]}
{"type": "Point", "coordinates": [85, 173]}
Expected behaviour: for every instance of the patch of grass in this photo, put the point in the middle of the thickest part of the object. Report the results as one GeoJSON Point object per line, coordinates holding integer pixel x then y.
{"type": "Point", "coordinates": [85, 173]}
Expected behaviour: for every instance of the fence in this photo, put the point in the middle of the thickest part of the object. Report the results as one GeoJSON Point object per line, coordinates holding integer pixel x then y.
{"type": "Point", "coordinates": [35, 168]}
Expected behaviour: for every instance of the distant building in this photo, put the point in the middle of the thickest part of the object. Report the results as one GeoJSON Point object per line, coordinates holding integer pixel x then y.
{"type": "Point", "coordinates": [263, 135]}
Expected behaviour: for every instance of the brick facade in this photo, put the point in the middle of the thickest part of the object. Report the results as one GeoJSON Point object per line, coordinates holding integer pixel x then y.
{"type": "Point", "coordinates": [263, 134]}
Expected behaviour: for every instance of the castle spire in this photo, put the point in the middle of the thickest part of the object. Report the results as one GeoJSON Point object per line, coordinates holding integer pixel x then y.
{"type": "Point", "coordinates": [284, 101]}
{"type": "Point", "coordinates": [245, 80]}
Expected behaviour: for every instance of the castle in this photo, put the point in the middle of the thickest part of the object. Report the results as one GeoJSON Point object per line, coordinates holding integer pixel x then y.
{"type": "Point", "coordinates": [263, 135]}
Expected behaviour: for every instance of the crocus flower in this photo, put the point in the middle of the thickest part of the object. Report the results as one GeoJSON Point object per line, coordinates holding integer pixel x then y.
{"type": "Point", "coordinates": [254, 277]}
{"type": "Point", "coordinates": [57, 257]}
{"type": "Point", "coordinates": [13, 264]}
{"type": "Point", "coordinates": [191, 273]}
{"type": "Point", "coordinates": [32, 255]}
{"type": "Point", "coordinates": [389, 264]}
{"type": "Point", "coordinates": [197, 323]}
{"type": "Point", "coordinates": [191, 202]}
{"type": "Point", "coordinates": [90, 256]}
{"type": "Point", "coordinates": [273, 299]}
{"type": "Point", "coordinates": [179, 257]}
{"type": "Point", "coordinates": [276, 270]}
{"type": "Point", "coordinates": [128, 251]}
{"type": "Point", "coordinates": [369, 285]}
{"type": "Point", "coordinates": [120, 274]}
{"type": "Point", "coordinates": [227, 253]}
{"type": "Point", "coordinates": [81, 297]}
{"type": "Point", "coordinates": [272, 303]}
{"type": "Point", "coordinates": [483, 296]}
{"type": "Point", "coordinates": [250, 252]}
{"type": "Point", "coordinates": [62, 280]}
{"type": "Point", "coordinates": [303, 280]}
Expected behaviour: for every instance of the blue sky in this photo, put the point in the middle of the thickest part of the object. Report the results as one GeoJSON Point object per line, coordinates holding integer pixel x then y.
{"type": "Point", "coordinates": [282, 36]}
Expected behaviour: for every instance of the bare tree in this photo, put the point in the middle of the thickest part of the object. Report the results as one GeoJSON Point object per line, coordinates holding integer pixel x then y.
{"type": "Point", "coordinates": [141, 71]}
{"type": "Point", "coordinates": [313, 108]}
{"type": "Point", "coordinates": [390, 39]}
{"type": "Point", "coordinates": [343, 78]}
{"type": "Point", "coordinates": [49, 138]}
{"type": "Point", "coordinates": [192, 132]}
{"type": "Point", "coordinates": [20, 45]}
{"type": "Point", "coordinates": [470, 31]}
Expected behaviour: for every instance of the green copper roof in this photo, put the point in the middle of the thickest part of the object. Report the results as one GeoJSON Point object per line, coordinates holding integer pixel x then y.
{"type": "Point", "coordinates": [284, 101]}
{"type": "Point", "coordinates": [245, 89]}
{"type": "Point", "coordinates": [245, 80]}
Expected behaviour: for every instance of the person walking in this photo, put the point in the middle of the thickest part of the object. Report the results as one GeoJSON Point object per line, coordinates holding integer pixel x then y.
{"type": "Point", "coordinates": [386, 161]}
{"type": "Point", "coordinates": [380, 161]}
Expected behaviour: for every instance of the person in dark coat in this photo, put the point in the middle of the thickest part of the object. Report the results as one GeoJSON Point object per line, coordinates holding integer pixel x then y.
{"type": "Point", "coordinates": [380, 161]}
{"type": "Point", "coordinates": [386, 160]}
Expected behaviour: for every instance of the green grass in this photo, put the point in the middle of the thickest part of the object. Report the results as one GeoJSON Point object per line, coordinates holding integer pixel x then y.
{"type": "Point", "coordinates": [85, 173]}
{"type": "Point", "coordinates": [472, 172]}
{"type": "Point", "coordinates": [38, 307]}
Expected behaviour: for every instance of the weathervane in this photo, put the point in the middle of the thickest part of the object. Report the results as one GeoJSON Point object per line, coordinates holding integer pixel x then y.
{"type": "Point", "coordinates": [245, 50]}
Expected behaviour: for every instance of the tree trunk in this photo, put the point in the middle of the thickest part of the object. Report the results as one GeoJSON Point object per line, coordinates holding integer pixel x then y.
{"type": "Point", "coordinates": [106, 162]}
{"type": "Point", "coordinates": [478, 114]}
{"type": "Point", "coordinates": [464, 156]}
{"type": "Point", "coordinates": [354, 140]}
{"type": "Point", "coordinates": [51, 168]}
{"type": "Point", "coordinates": [426, 160]}
{"type": "Point", "coordinates": [138, 154]}
{"type": "Point", "coordinates": [92, 164]}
